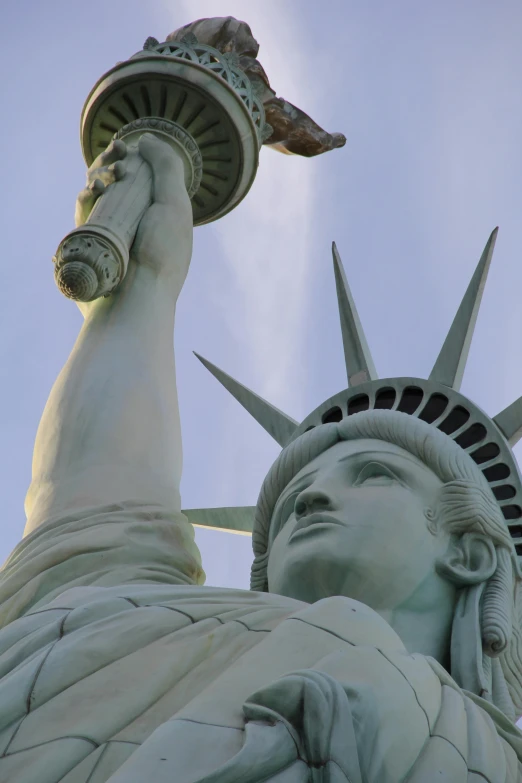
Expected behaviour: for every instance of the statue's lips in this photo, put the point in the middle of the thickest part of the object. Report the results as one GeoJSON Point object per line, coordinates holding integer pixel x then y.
{"type": "Point", "coordinates": [314, 520]}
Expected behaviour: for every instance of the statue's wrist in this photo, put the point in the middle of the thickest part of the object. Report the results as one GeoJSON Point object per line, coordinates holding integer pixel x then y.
{"type": "Point", "coordinates": [146, 284]}
{"type": "Point", "coordinates": [143, 290]}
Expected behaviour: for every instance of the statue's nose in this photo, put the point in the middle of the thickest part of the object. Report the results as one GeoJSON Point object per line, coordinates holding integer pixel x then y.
{"type": "Point", "coordinates": [312, 501]}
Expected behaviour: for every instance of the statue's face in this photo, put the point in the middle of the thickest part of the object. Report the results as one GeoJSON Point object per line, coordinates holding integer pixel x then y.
{"type": "Point", "coordinates": [353, 523]}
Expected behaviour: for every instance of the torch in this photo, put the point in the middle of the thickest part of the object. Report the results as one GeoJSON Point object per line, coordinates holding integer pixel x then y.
{"type": "Point", "coordinates": [199, 101]}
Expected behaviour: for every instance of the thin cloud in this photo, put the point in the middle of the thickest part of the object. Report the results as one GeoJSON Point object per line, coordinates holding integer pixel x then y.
{"type": "Point", "coordinates": [269, 279]}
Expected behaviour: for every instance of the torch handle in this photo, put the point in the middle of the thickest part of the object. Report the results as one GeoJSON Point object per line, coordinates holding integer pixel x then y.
{"type": "Point", "coordinates": [92, 259]}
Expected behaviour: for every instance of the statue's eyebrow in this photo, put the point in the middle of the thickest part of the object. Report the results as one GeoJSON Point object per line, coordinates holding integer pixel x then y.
{"type": "Point", "coordinates": [375, 455]}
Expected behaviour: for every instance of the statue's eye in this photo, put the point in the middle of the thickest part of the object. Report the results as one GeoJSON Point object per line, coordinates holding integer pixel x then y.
{"type": "Point", "coordinates": [376, 475]}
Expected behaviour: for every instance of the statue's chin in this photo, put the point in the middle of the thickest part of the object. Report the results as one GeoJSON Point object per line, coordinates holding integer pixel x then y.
{"type": "Point", "coordinates": [324, 575]}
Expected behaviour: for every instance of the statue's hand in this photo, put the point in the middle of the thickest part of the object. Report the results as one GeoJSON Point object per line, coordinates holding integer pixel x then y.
{"type": "Point", "coordinates": [163, 243]}
{"type": "Point", "coordinates": [104, 170]}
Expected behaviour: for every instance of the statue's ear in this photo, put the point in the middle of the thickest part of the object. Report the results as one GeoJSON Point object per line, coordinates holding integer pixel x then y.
{"type": "Point", "coordinates": [470, 559]}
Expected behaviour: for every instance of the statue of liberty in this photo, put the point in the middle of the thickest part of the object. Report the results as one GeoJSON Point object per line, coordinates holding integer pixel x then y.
{"type": "Point", "coordinates": [381, 639]}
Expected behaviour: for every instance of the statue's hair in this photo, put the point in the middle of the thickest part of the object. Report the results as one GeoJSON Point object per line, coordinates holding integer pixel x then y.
{"type": "Point", "coordinates": [466, 504]}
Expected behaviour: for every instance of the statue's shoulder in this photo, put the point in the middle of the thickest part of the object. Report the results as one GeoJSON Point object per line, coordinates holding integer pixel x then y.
{"type": "Point", "coordinates": [349, 620]}
{"type": "Point", "coordinates": [197, 602]}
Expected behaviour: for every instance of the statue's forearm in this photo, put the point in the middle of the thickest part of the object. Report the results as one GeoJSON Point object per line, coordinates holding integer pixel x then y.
{"type": "Point", "coordinates": [110, 430]}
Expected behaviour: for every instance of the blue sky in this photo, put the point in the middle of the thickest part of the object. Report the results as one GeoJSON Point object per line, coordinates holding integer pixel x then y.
{"type": "Point", "coordinates": [428, 95]}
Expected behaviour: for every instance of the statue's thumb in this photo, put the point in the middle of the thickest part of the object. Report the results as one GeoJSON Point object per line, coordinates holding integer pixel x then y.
{"type": "Point", "coordinates": [160, 157]}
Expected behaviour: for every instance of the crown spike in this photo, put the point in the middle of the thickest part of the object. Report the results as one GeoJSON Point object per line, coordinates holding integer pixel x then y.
{"type": "Point", "coordinates": [280, 426]}
{"type": "Point", "coordinates": [451, 361]}
{"type": "Point", "coordinates": [509, 422]}
{"type": "Point", "coordinates": [359, 363]}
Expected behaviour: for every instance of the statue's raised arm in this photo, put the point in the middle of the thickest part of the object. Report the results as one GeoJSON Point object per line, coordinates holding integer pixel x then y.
{"type": "Point", "coordinates": [110, 431]}
{"type": "Point", "coordinates": [188, 123]}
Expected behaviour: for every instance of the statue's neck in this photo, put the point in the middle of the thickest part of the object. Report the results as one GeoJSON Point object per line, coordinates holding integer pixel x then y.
{"type": "Point", "coordinates": [425, 620]}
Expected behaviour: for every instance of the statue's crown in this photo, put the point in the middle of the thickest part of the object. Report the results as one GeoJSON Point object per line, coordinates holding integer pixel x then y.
{"type": "Point", "coordinates": [437, 400]}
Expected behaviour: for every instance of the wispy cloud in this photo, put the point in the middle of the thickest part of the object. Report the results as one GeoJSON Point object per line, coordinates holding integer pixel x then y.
{"type": "Point", "coordinates": [267, 292]}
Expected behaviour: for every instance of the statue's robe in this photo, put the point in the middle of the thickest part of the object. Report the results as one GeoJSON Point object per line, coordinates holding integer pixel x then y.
{"type": "Point", "coordinates": [115, 667]}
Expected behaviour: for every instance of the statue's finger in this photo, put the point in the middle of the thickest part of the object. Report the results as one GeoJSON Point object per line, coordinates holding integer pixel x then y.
{"type": "Point", "coordinates": [96, 188]}
{"type": "Point", "coordinates": [86, 200]}
{"type": "Point", "coordinates": [106, 174]}
{"type": "Point", "coordinates": [116, 151]}
{"type": "Point", "coordinates": [117, 169]}
{"type": "Point", "coordinates": [88, 195]}
{"type": "Point", "coordinates": [84, 205]}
